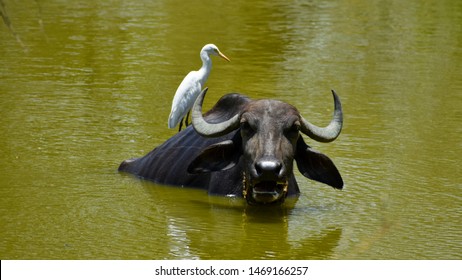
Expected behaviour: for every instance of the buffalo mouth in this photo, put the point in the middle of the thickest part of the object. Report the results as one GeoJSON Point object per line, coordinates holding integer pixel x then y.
{"type": "Point", "coordinates": [264, 192]}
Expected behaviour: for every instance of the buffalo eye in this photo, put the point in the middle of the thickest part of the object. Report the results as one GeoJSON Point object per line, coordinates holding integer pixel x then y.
{"type": "Point", "coordinates": [246, 128]}
{"type": "Point", "coordinates": [292, 131]}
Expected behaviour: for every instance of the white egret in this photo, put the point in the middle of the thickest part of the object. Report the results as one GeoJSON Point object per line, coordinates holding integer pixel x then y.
{"type": "Point", "coordinates": [191, 86]}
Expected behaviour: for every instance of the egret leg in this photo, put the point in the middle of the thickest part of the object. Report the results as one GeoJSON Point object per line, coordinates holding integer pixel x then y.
{"type": "Point", "coordinates": [186, 122]}
{"type": "Point", "coordinates": [181, 124]}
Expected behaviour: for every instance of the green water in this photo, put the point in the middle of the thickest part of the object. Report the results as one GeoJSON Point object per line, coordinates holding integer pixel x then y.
{"type": "Point", "coordinates": [87, 84]}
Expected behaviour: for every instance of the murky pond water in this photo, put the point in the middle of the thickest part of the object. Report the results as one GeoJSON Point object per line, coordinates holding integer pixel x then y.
{"type": "Point", "coordinates": [87, 84]}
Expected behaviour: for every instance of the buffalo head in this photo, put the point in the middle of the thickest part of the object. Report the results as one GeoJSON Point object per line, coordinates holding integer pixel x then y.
{"type": "Point", "coordinates": [266, 146]}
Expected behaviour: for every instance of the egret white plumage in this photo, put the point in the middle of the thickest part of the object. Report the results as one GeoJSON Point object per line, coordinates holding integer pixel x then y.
{"type": "Point", "coordinates": [191, 86]}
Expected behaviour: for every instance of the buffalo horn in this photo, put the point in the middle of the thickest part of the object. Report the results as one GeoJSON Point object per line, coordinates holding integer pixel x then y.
{"type": "Point", "coordinates": [330, 132]}
{"type": "Point", "coordinates": [210, 129]}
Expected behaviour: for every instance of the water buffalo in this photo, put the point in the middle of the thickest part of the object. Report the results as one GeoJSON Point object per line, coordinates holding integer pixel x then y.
{"type": "Point", "coordinates": [243, 147]}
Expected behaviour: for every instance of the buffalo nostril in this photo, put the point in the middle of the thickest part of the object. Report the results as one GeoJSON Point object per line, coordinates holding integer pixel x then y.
{"type": "Point", "coordinates": [268, 167]}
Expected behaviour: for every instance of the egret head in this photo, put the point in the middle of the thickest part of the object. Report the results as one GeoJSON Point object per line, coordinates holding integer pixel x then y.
{"type": "Point", "coordinates": [211, 49]}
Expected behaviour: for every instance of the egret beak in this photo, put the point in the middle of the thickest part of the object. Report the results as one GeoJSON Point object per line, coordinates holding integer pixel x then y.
{"type": "Point", "coordinates": [223, 56]}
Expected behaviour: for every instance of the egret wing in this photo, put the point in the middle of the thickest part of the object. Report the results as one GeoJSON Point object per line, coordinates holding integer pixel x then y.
{"type": "Point", "coordinates": [184, 98]}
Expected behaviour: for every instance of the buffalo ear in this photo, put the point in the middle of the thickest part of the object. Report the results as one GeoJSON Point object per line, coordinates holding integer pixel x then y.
{"type": "Point", "coordinates": [216, 157]}
{"type": "Point", "coordinates": [317, 166]}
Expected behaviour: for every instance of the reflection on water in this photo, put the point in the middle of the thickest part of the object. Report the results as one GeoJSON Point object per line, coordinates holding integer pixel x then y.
{"type": "Point", "coordinates": [201, 227]}
{"type": "Point", "coordinates": [86, 85]}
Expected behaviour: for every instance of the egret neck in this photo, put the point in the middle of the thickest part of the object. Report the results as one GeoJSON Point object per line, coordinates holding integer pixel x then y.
{"type": "Point", "coordinates": [204, 71]}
